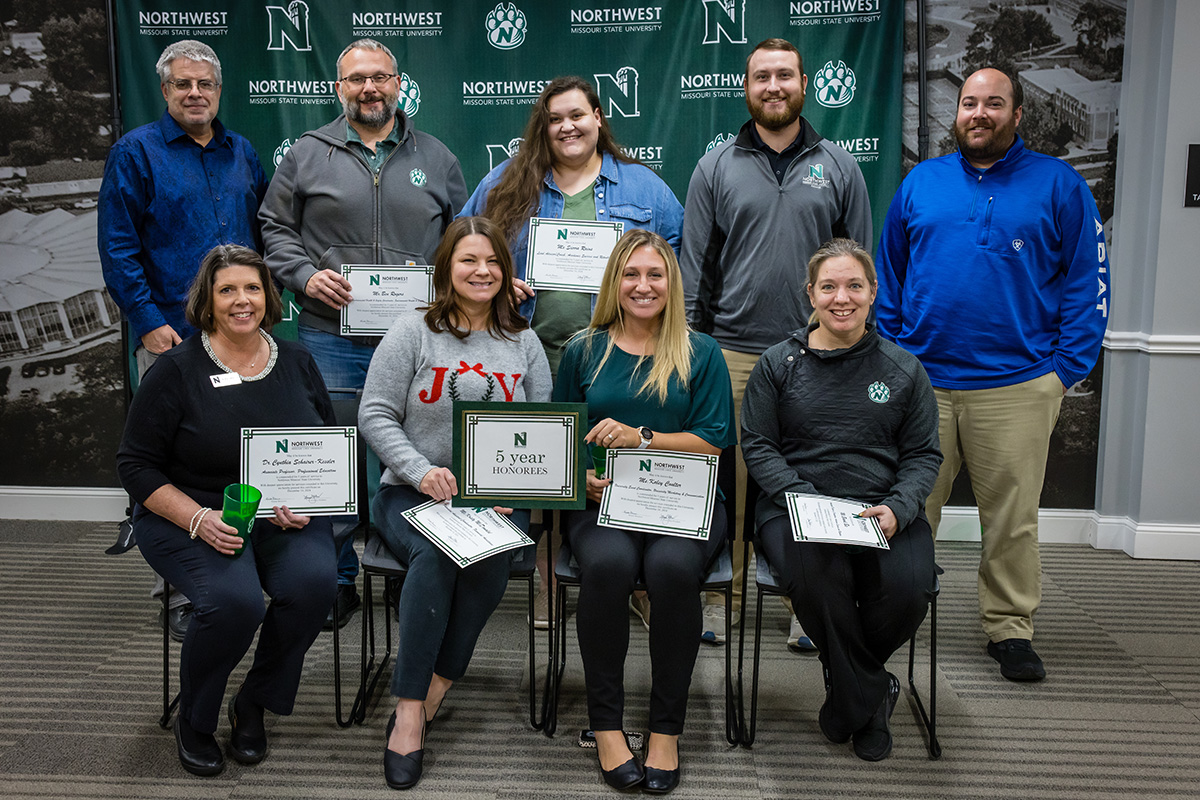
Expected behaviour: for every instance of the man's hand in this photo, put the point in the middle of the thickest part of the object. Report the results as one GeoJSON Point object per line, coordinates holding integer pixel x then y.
{"type": "Point", "coordinates": [160, 340]}
{"type": "Point", "coordinates": [886, 518]}
{"type": "Point", "coordinates": [330, 288]}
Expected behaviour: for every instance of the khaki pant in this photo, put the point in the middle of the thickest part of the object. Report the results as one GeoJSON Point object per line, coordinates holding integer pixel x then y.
{"type": "Point", "coordinates": [1002, 435]}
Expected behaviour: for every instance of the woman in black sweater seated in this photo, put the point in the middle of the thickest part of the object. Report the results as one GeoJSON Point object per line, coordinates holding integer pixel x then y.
{"type": "Point", "coordinates": [836, 410]}
{"type": "Point", "coordinates": [179, 451]}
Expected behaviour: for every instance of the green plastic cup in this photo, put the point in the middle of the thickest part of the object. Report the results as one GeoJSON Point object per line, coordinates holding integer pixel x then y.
{"type": "Point", "coordinates": [241, 504]}
{"type": "Point", "coordinates": [599, 460]}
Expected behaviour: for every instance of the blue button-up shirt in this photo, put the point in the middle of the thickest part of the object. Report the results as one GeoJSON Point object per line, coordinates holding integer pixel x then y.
{"type": "Point", "coordinates": [166, 201]}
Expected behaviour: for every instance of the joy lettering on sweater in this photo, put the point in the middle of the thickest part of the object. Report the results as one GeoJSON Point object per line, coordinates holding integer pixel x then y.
{"type": "Point", "coordinates": [455, 381]}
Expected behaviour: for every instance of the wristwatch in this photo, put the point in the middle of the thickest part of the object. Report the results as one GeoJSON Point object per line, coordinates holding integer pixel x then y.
{"type": "Point", "coordinates": [647, 437]}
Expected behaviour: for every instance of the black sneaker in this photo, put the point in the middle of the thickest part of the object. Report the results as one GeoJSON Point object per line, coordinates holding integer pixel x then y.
{"type": "Point", "coordinates": [347, 603]}
{"type": "Point", "coordinates": [1017, 660]}
{"type": "Point", "coordinates": [874, 741]}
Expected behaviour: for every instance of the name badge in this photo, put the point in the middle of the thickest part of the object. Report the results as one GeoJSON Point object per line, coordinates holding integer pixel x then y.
{"type": "Point", "coordinates": [224, 379]}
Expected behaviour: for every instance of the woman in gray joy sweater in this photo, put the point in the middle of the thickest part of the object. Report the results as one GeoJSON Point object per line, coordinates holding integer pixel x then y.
{"type": "Point", "coordinates": [469, 344]}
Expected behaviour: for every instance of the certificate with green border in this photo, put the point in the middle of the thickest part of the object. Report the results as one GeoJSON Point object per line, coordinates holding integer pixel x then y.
{"type": "Point", "coordinates": [381, 293]}
{"type": "Point", "coordinates": [660, 491]}
{"type": "Point", "coordinates": [569, 255]}
{"type": "Point", "coordinates": [309, 470]}
{"type": "Point", "coordinates": [520, 455]}
{"type": "Point", "coordinates": [466, 535]}
{"type": "Point", "coordinates": [833, 520]}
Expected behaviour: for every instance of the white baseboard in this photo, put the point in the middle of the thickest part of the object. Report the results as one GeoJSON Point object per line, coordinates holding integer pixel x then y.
{"type": "Point", "coordinates": [1146, 539]}
{"type": "Point", "coordinates": [1057, 526]}
{"type": "Point", "coordinates": [63, 503]}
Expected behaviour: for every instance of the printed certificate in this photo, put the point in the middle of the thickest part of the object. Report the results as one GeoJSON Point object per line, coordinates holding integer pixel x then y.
{"type": "Point", "coordinates": [466, 535]}
{"type": "Point", "coordinates": [569, 255]}
{"type": "Point", "coordinates": [831, 520]}
{"type": "Point", "coordinates": [309, 470]}
{"type": "Point", "coordinates": [660, 491]}
{"type": "Point", "coordinates": [520, 455]}
{"type": "Point", "coordinates": [381, 293]}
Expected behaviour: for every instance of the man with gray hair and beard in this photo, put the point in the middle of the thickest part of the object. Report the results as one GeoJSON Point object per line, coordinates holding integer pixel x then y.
{"type": "Point", "coordinates": [367, 188]}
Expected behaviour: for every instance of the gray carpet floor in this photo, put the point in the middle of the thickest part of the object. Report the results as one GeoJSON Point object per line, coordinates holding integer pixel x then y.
{"type": "Point", "coordinates": [1118, 716]}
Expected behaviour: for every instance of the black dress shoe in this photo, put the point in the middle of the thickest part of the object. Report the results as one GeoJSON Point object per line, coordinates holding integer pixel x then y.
{"type": "Point", "coordinates": [401, 771]}
{"type": "Point", "coordinates": [178, 619]}
{"type": "Point", "coordinates": [198, 752]}
{"type": "Point", "coordinates": [1018, 661]}
{"type": "Point", "coordinates": [873, 742]}
{"type": "Point", "coordinates": [626, 776]}
{"type": "Point", "coordinates": [247, 739]}
{"type": "Point", "coordinates": [347, 603]}
{"type": "Point", "coordinates": [660, 781]}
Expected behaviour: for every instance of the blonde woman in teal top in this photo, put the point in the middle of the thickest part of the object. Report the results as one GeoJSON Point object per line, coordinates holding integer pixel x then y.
{"type": "Point", "coordinates": [649, 382]}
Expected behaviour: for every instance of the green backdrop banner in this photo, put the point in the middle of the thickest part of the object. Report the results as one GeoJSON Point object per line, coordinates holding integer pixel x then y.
{"type": "Point", "coordinates": [669, 73]}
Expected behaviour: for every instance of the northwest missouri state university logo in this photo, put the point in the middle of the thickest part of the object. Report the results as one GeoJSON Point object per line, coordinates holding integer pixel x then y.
{"type": "Point", "coordinates": [417, 177]}
{"type": "Point", "coordinates": [281, 91]}
{"type": "Point", "coordinates": [865, 149]}
{"type": "Point", "coordinates": [288, 26]}
{"type": "Point", "coordinates": [816, 177]}
{"type": "Point", "coordinates": [502, 93]}
{"type": "Point", "coordinates": [183, 24]}
{"type": "Point", "coordinates": [724, 20]}
{"type": "Point", "coordinates": [506, 26]}
{"type": "Point", "coordinates": [616, 19]}
{"type": "Point", "coordinates": [382, 24]}
{"type": "Point", "coordinates": [703, 85]}
{"type": "Point", "coordinates": [410, 95]}
{"type": "Point", "coordinates": [832, 12]}
{"type": "Point", "coordinates": [879, 392]}
{"type": "Point", "coordinates": [619, 93]}
{"type": "Point", "coordinates": [834, 84]}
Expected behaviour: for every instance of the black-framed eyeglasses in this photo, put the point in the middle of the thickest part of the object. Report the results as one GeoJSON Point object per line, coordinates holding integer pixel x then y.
{"type": "Point", "coordinates": [182, 85]}
{"type": "Point", "coordinates": [358, 81]}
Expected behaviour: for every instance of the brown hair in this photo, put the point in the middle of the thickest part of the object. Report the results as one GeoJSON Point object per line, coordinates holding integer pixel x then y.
{"type": "Point", "coordinates": [200, 295]}
{"type": "Point", "coordinates": [513, 200]}
{"type": "Point", "coordinates": [775, 44]}
{"type": "Point", "coordinates": [833, 249]}
{"type": "Point", "coordinates": [503, 319]}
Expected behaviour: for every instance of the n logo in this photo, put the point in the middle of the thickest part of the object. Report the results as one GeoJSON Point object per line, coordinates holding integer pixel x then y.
{"type": "Point", "coordinates": [506, 26]}
{"type": "Point", "coordinates": [619, 95]}
{"type": "Point", "coordinates": [373, 280]}
{"type": "Point", "coordinates": [499, 152]}
{"type": "Point", "coordinates": [281, 445]}
{"type": "Point", "coordinates": [562, 233]}
{"type": "Point", "coordinates": [288, 25]}
{"type": "Point", "coordinates": [644, 466]}
{"type": "Point", "coordinates": [519, 439]}
{"type": "Point", "coordinates": [816, 170]}
{"type": "Point", "coordinates": [724, 17]}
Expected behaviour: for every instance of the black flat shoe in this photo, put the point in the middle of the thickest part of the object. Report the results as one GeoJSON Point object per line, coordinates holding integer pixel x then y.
{"type": "Point", "coordinates": [626, 776]}
{"type": "Point", "coordinates": [401, 771]}
{"type": "Point", "coordinates": [660, 781]}
{"type": "Point", "coordinates": [204, 758]}
{"type": "Point", "coordinates": [874, 741]}
{"type": "Point", "coordinates": [246, 746]}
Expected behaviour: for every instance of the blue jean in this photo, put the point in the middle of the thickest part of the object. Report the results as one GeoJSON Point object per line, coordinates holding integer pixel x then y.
{"type": "Point", "coordinates": [442, 608]}
{"type": "Point", "coordinates": [343, 365]}
{"type": "Point", "coordinates": [293, 567]}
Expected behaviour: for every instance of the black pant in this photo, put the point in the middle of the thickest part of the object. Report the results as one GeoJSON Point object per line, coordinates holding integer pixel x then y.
{"type": "Point", "coordinates": [297, 568]}
{"type": "Point", "coordinates": [610, 562]}
{"type": "Point", "coordinates": [858, 608]}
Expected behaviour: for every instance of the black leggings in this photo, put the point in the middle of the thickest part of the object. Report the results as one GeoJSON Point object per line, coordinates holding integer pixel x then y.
{"type": "Point", "coordinates": [610, 562]}
{"type": "Point", "coordinates": [858, 607]}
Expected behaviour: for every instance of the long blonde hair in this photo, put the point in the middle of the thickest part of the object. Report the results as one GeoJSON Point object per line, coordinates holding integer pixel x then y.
{"type": "Point", "coordinates": [672, 343]}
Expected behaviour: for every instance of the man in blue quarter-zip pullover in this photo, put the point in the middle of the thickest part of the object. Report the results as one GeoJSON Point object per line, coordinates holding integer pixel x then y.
{"type": "Point", "coordinates": [993, 271]}
{"type": "Point", "coordinates": [367, 188]}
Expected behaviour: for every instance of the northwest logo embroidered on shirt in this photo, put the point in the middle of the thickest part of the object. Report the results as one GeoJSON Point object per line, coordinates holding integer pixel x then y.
{"type": "Point", "coordinates": [879, 392]}
{"type": "Point", "coordinates": [417, 177]}
{"type": "Point", "coordinates": [816, 177]}
{"type": "Point", "coordinates": [1017, 244]}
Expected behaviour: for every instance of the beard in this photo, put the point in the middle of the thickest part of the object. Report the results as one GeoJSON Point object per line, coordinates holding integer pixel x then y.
{"type": "Point", "coordinates": [991, 148]}
{"type": "Point", "coordinates": [777, 121]}
{"type": "Point", "coordinates": [374, 119]}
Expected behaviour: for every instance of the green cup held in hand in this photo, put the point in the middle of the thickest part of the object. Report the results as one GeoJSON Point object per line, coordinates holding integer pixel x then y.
{"type": "Point", "coordinates": [240, 506]}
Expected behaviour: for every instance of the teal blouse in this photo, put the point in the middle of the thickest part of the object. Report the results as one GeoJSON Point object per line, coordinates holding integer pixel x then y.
{"type": "Point", "coordinates": [704, 407]}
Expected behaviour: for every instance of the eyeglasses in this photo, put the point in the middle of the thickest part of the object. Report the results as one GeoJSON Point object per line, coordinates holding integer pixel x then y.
{"type": "Point", "coordinates": [182, 85]}
{"type": "Point", "coordinates": [357, 81]}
